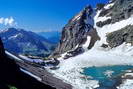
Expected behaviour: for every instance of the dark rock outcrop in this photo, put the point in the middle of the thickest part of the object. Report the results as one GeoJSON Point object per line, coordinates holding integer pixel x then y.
{"type": "Point", "coordinates": [73, 53]}
{"type": "Point", "coordinates": [122, 9]}
{"type": "Point", "coordinates": [102, 23]}
{"type": "Point", "coordinates": [104, 12]}
{"type": "Point", "coordinates": [100, 6]}
{"type": "Point", "coordinates": [116, 38]}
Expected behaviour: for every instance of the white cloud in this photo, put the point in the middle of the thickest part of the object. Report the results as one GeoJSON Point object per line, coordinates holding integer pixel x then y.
{"type": "Point", "coordinates": [1, 20]}
{"type": "Point", "coordinates": [8, 21]}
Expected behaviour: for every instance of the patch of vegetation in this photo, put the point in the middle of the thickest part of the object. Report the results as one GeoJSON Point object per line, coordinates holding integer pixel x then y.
{"type": "Point", "coordinates": [12, 87]}
{"type": "Point", "coordinates": [45, 58]}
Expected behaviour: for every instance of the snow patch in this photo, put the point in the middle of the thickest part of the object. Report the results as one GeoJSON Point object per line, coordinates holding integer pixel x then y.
{"type": "Point", "coordinates": [131, 74]}
{"type": "Point", "coordinates": [15, 36]}
{"type": "Point", "coordinates": [86, 45]}
{"type": "Point", "coordinates": [32, 75]}
{"type": "Point", "coordinates": [97, 18]}
{"type": "Point", "coordinates": [108, 6]}
{"type": "Point", "coordinates": [127, 84]}
{"type": "Point", "coordinates": [77, 17]}
{"type": "Point", "coordinates": [31, 60]}
{"type": "Point", "coordinates": [11, 55]}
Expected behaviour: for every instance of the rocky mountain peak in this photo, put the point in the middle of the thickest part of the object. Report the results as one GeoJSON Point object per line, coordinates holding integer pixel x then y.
{"type": "Point", "coordinates": [75, 33]}
{"type": "Point", "coordinates": [82, 16]}
{"type": "Point", "coordinates": [88, 9]}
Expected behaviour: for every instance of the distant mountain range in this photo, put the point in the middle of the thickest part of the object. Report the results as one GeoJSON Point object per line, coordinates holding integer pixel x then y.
{"type": "Point", "coordinates": [26, 42]}
{"type": "Point", "coordinates": [53, 36]}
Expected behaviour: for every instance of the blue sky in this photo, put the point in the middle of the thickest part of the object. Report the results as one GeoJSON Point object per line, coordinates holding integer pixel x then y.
{"type": "Point", "coordinates": [42, 15]}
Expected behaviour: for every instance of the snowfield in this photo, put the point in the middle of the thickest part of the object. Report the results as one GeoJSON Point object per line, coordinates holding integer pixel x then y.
{"type": "Point", "coordinates": [70, 69]}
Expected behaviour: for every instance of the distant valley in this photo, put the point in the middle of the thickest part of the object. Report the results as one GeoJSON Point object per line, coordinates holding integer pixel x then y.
{"type": "Point", "coordinates": [53, 36]}
{"type": "Point", "coordinates": [20, 41]}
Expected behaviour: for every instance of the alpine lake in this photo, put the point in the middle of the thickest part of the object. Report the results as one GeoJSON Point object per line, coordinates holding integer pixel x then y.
{"type": "Point", "coordinates": [108, 76]}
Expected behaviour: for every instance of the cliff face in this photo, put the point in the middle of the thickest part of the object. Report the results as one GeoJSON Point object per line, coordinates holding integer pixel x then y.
{"type": "Point", "coordinates": [75, 33]}
{"type": "Point", "coordinates": [119, 37]}
{"type": "Point", "coordinates": [119, 15]}
{"type": "Point", "coordinates": [120, 10]}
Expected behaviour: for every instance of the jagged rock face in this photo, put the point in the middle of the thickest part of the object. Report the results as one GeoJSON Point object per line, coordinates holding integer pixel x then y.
{"type": "Point", "coordinates": [118, 37]}
{"type": "Point", "coordinates": [122, 9]}
{"type": "Point", "coordinates": [76, 31]}
{"type": "Point", "coordinates": [100, 6]}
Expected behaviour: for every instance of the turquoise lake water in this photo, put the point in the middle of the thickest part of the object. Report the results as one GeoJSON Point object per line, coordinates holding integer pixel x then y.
{"type": "Point", "coordinates": [106, 75]}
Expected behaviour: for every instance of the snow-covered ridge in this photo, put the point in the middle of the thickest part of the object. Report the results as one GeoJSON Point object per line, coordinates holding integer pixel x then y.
{"type": "Point", "coordinates": [15, 36]}
{"type": "Point", "coordinates": [77, 17]}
